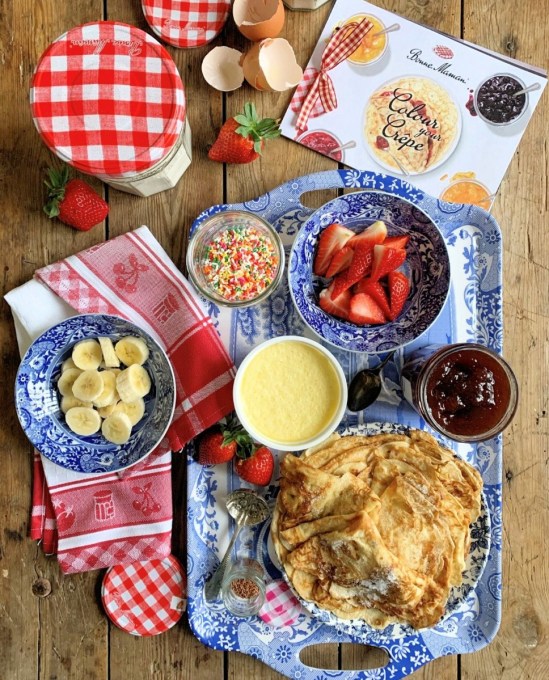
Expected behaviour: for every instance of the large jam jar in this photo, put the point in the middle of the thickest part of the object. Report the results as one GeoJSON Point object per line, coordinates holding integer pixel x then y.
{"type": "Point", "coordinates": [465, 391]}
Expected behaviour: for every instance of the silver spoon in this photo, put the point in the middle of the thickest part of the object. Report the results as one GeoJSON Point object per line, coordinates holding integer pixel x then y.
{"type": "Point", "coordinates": [347, 145]}
{"type": "Point", "coordinates": [389, 29]}
{"type": "Point", "coordinates": [247, 508]}
{"type": "Point", "coordinates": [524, 90]}
{"type": "Point", "coordinates": [366, 386]}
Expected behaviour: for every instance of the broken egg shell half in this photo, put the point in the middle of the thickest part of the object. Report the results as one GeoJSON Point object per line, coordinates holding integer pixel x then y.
{"type": "Point", "coordinates": [271, 65]}
{"type": "Point", "coordinates": [222, 70]}
{"type": "Point", "coordinates": [259, 19]}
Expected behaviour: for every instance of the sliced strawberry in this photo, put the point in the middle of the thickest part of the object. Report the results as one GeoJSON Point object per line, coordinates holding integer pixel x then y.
{"type": "Point", "coordinates": [363, 309]}
{"type": "Point", "coordinates": [360, 266]}
{"type": "Point", "coordinates": [332, 239]}
{"type": "Point", "coordinates": [386, 259]}
{"type": "Point", "coordinates": [374, 234]}
{"type": "Point", "coordinates": [335, 306]}
{"type": "Point", "coordinates": [376, 291]}
{"type": "Point", "coordinates": [398, 242]}
{"type": "Point", "coordinates": [399, 289]}
{"type": "Point", "coordinates": [340, 261]}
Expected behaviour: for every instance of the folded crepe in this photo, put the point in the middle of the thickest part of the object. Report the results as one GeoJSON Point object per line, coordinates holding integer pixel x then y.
{"type": "Point", "coordinates": [376, 528]}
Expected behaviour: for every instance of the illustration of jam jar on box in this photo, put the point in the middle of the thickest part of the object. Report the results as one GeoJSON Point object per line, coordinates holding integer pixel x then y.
{"type": "Point", "coordinates": [107, 99]}
{"type": "Point", "coordinates": [497, 101]}
{"type": "Point", "coordinates": [464, 391]}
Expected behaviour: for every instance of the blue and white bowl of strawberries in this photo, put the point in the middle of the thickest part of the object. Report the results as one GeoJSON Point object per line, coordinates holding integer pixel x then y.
{"type": "Point", "coordinates": [400, 275]}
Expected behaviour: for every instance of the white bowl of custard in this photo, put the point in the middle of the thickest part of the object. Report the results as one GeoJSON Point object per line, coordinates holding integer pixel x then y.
{"type": "Point", "coordinates": [290, 393]}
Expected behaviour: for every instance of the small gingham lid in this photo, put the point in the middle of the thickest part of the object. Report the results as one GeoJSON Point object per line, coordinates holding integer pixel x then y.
{"type": "Point", "coordinates": [145, 598]}
{"type": "Point", "coordinates": [186, 23]}
{"type": "Point", "coordinates": [281, 607]}
{"type": "Point", "coordinates": [107, 98]}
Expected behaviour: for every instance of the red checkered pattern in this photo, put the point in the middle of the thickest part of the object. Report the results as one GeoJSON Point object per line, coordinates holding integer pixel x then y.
{"type": "Point", "coordinates": [183, 23]}
{"type": "Point", "coordinates": [281, 607]}
{"type": "Point", "coordinates": [93, 522]}
{"type": "Point", "coordinates": [300, 94]}
{"type": "Point", "coordinates": [342, 43]}
{"type": "Point", "coordinates": [145, 598]}
{"type": "Point", "coordinates": [107, 98]}
{"type": "Point", "coordinates": [443, 52]}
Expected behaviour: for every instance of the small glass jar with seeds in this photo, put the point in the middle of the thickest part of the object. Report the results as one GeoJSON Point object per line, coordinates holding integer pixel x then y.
{"type": "Point", "coordinates": [243, 588]}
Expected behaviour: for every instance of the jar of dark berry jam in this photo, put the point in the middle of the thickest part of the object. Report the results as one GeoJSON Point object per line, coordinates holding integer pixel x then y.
{"type": "Point", "coordinates": [464, 391]}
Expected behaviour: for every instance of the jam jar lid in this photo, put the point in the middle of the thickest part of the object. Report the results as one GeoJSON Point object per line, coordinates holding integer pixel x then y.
{"type": "Point", "coordinates": [108, 99]}
{"type": "Point", "coordinates": [186, 24]}
{"type": "Point", "coordinates": [145, 598]}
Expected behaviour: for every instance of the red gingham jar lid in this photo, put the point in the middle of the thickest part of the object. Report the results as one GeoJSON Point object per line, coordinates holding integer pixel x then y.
{"type": "Point", "coordinates": [186, 23]}
{"type": "Point", "coordinates": [145, 598]}
{"type": "Point", "coordinates": [107, 98]}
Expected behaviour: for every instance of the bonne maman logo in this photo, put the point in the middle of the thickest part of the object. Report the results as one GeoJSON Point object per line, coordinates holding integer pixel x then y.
{"type": "Point", "coordinates": [443, 52]}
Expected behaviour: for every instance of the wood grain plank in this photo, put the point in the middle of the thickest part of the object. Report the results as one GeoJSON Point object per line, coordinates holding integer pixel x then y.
{"type": "Point", "coordinates": [520, 649]}
{"type": "Point", "coordinates": [66, 623]}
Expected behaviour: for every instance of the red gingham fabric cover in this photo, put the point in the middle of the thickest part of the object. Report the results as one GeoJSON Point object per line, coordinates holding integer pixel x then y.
{"type": "Point", "coordinates": [342, 44]}
{"type": "Point", "coordinates": [107, 98]}
{"type": "Point", "coordinates": [186, 23]}
{"type": "Point", "coordinates": [97, 521]}
{"type": "Point", "coordinates": [145, 598]}
{"type": "Point", "coordinates": [281, 607]}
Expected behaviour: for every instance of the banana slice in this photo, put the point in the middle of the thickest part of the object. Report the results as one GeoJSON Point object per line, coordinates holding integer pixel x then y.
{"type": "Point", "coordinates": [133, 383]}
{"type": "Point", "coordinates": [88, 385]}
{"type": "Point", "coordinates": [109, 395]}
{"type": "Point", "coordinates": [82, 420]}
{"type": "Point", "coordinates": [66, 381]}
{"type": "Point", "coordinates": [109, 355]}
{"type": "Point", "coordinates": [135, 410]}
{"type": "Point", "coordinates": [105, 411]}
{"type": "Point", "coordinates": [87, 355]}
{"type": "Point", "coordinates": [68, 363]}
{"type": "Point", "coordinates": [70, 401]}
{"type": "Point", "coordinates": [131, 350]}
{"type": "Point", "coordinates": [117, 428]}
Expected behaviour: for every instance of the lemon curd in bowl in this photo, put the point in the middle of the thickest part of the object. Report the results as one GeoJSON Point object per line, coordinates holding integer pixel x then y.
{"type": "Point", "coordinates": [290, 393]}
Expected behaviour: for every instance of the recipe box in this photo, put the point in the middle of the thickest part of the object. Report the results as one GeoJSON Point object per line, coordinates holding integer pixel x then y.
{"type": "Point", "coordinates": [419, 104]}
{"type": "Point", "coordinates": [108, 99]}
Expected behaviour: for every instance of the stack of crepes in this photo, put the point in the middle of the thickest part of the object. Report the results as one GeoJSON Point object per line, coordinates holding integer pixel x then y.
{"type": "Point", "coordinates": [376, 527]}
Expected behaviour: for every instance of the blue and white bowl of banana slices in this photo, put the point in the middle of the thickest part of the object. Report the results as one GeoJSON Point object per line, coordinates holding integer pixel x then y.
{"type": "Point", "coordinates": [95, 393]}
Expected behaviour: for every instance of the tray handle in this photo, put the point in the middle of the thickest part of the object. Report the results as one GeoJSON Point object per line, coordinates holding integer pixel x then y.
{"type": "Point", "coordinates": [393, 669]}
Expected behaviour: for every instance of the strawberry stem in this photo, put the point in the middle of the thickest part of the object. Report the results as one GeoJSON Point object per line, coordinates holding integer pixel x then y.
{"type": "Point", "coordinates": [56, 184]}
{"type": "Point", "coordinates": [251, 126]}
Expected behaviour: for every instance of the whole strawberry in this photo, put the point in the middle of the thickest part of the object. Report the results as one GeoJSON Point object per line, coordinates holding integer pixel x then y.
{"type": "Point", "coordinates": [73, 201]}
{"type": "Point", "coordinates": [255, 465]}
{"type": "Point", "coordinates": [242, 138]}
{"type": "Point", "coordinates": [219, 443]}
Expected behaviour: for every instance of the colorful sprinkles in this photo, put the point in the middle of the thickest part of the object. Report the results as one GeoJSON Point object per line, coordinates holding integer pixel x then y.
{"type": "Point", "coordinates": [241, 262]}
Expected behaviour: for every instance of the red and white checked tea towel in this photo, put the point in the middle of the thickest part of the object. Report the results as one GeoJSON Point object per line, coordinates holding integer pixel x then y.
{"type": "Point", "coordinates": [186, 23]}
{"type": "Point", "coordinates": [98, 521]}
{"type": "Point", "coordinates": [107, 98]}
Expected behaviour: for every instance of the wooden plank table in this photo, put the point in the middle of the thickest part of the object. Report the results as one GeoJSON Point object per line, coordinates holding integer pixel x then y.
{"type": "Point", "coordinates": [66, 635]}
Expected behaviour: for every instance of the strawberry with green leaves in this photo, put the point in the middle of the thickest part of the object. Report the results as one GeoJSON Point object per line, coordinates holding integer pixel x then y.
{"type": "Point", "coordinates": [255, 465]}
{"type": "Point", "coordinates": [73, 201]}
{"type": "Point", "coordinates": [219, 444]}
{"type": "Point", "coordinates": [242, 138]}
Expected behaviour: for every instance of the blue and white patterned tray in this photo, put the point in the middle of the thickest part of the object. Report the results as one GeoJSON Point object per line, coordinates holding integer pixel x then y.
{"type": "Point", "coordinates": [472, 313]}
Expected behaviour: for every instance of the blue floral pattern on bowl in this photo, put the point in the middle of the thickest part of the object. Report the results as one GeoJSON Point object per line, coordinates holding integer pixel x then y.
{"type": "Point", "coordinates": [427, 267]}
{"type": "Point", "coordinates": [37, 399]}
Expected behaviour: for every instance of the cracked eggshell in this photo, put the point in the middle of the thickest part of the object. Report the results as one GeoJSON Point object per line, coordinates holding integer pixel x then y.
{"type": "Point", "coordinates": [258, 19]}
{"type": "Point", "coordinates": [271, 65]}
{"type": "Point", "coordinates": [222, 70]}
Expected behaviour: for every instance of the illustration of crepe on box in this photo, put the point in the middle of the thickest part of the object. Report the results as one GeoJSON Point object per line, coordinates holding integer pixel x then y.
{"type": "Point", "coordinates": [385, 94]}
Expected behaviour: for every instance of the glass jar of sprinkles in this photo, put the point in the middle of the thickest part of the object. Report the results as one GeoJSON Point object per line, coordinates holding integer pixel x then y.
{"type": "Point", "coordinates": [243, 588]}
{"type": "Point", "coordinates": [235, 258]}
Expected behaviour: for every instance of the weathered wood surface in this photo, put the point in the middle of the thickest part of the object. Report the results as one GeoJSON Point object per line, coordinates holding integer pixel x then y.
{"type": "Point", "coordinates": [66, 635]}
